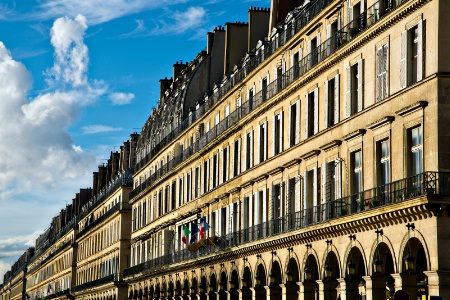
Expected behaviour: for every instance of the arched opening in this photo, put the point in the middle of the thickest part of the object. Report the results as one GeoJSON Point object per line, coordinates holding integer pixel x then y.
{"type": "Point", "coordinates": [178, 289]}
{"type": "Point", "coordinates": [212, 288]}
{"type": "Point", "coordinates": [275, 279]}
{"type": "Point", "coordinates": [170, 290]}
{"type": "Point", "coordinates": [158, 291]}
{"type": "Point", "coordinates": [234, 285]}
{"type": "Point", "coordinates": [382, 268]}
{"type": "Point", "coordinates": [152, 292]}
{"type": "Point", "coordinates": [354, 271]}
{"type": "Point", "coordinates": [202, 288]}
{"type": "Point", "coordinates": [310, 275]}
{"type": "Point", "coordinates": [260, 282]}
{"type": "Point", "coordinates": [223, 286]}
{"type": "Point", "coordinates": [185, 290]}
{"type": "Point", "coordinates": [292, 277]}
{"type": "Point", "coordinates": [145, 293]}
{"type": "Point", "coordinates": [330, 273]}
{"type": "Point", "coordinates": [246, 284]}
{"type": "Point", "coordinates": [194, 287]}
{"type": "Point", "coordinates": [164, 290]}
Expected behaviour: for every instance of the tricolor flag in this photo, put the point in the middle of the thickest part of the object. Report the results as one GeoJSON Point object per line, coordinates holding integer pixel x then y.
{"type": "Point", "coordinates": [184, 234]}
{"type": "Point", "coordinates": [194, 231]}
{"type": "Point", "coordinates": [203, 228]}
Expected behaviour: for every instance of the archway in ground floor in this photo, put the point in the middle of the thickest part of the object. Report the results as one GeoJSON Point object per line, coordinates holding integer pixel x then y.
{"type": "Point", "coordinates": [310, 287]}
{"type": "Point", "coordinates": [292, 276]}
{"type": "Point", "coordinates": [212, 287]}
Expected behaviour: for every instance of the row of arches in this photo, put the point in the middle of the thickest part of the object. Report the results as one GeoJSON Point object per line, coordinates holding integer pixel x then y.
{"type": "Point", "coordinates": [327, 272]}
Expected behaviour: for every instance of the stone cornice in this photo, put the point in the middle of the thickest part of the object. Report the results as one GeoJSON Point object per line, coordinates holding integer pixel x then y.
{"type": "Point", "coordinates": [310, 154]}
{"type": "Point", "coordinates": [411, 108]}
{"type": "Point", "coordinates": [354, 134]}
{"type": "Point", "coordinates": [330, 145]}
{"type": "Point", "coordinates": [381, 122]}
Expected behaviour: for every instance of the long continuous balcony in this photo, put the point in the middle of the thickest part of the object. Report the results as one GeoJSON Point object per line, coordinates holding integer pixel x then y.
{"type": "Point", "coordinates": [106, 215]}
{"type": "Point", "coordinates": [53, 254]}
{"type": "Point", "coordinates": [65, 292]}
{"type": "Point", "coordinates": [317, 55]}
{"type": "Point", "coordinates": [431, 184]}
{"type": "Point", "coordinates": [304, 17]}
{"type": "Point", "coordinates": [116, 277]}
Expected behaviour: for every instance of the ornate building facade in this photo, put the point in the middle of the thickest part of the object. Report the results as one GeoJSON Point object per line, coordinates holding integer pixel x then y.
{"type": "Point", "coordinates": [302, 155]}
{"type": "Point", "coordinates": [318, 161]}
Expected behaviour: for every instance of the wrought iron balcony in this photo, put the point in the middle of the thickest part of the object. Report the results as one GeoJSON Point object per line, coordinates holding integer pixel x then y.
{"type": "Point", "coordinates": [99, 220]}
{"type": "Point", "coordinates": [317, 55]}
{"type": "Point", "coordinates": [434, 184]}
{"type": "Point", "coordinates": [59, 250]}
{"type": "Point", "coordinates": [58, 294]}
{"type": "Point", "coordinates": [116, 277]}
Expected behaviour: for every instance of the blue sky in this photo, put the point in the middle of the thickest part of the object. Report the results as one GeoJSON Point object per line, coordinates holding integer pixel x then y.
{"type": "Point", "coordinates": [76, 78]}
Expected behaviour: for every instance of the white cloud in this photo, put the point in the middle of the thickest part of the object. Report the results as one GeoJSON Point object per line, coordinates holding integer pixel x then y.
{"type": "Point", "coordinates": [94, 129]}
{"type": "Point", "coordinates": [98, 11]}
{"type": "Point", "coordinates": [121, 98]}
{"type": "Point", "coordinates": [193, 19]}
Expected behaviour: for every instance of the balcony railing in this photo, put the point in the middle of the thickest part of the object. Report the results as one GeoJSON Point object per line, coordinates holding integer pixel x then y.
{"type": "Point", "coordinates": [98, 282]}
{"type": "Point", "coordinates": [59, 250]}
{"type": "Point", "coordinates": [435, 184]}
{"type": "Point", "coordinates": [317, 55]}
{"type": "Point", "coordinates": [106, 215]}
{"type": "Point", "coordinates": [58, 294]}
{"type": "Point", "coordinates": [308, 13]}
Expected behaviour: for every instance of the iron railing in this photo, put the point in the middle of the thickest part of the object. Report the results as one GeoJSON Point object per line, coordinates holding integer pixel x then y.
{"type": "Point", "coordinates": [58, 294]}
{"type": "Point", "coordinates": [53, 254]}
{"type": "Point", "coordinates": [317, 55]}
{"type": "Point", "coordinates": [436, 184]}
{"type": "Point", "coordinates": [98, 282]}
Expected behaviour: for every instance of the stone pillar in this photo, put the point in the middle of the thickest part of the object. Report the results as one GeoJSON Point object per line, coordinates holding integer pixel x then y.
{"type": "Point", "coordinates": [307, 290]}
{"type": "Point", "coordinates": [273, 292]}
{"type": "Point", "coordinates": [258, 293]}
{"type": "Point", "coordinates": [349, 288]}
{"type": "Point", "coordinates": [375, 287]}
{"type": "Point", "coordinates": [327, 289]}
{"type": "Point", "coordinates": [245, 294]}
{"type": "Point", "coordinates": [406, 282]}
{"type": "Point", "coordinates": [289, 291]}
{"type": "Point", "coordinates": [438, 283]}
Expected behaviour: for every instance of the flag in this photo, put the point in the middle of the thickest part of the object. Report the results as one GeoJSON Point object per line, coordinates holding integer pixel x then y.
{"type": "Point", "coordinates": [203, 228]}
{"type": "Point", "coordinates": [184, 234]}
{"type": "Point", "coordinates": [194, 231]}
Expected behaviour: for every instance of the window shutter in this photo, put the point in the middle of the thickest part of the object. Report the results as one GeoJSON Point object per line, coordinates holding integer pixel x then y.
{"type": "Point", "coordinates": [316, 110]}
{"type": "Point", "coordinates": [403, 60]}
{"type": "Point", "coordinates": [336, 99]}
{"type": "Point", "coordinates": [326, 112]}
{"type": "Point", "coordinates": [328, 45]}
{"type": "Point", "coordinates": [264, 208]}
{"type": "Point", "coordinates": [309, 55]}
{"type": "Point", "coordinates": [298, 200]}
{"type": "Point", "coordinates": [239, 157]}
{"type": "Point", "coordinates": [250, 210]}
{"type": "Point", "coordinates": [220, 154]}
{"type": "Point", "coordinates": [284, 67]}
{"type": "Point", "coordinates": [360, 85]}
{"type": "Point", "coordinates": [272, 204]}
{"type": "Point", "coordinates": [266, 125]}
{"type": "Point", "coordinates": [274, 119]}
{"type": "Point", "coordinates": [247, 149]}
{"type": "Point", "coordinates": [297, 122]}
{"type": "Point", "coordinates": [315, 187]}
{"type": "Point", "coordinates": [290, 127]}
{"type": "Point", "coordinates": [232, 158]}
{"type": "Point", "coordinates": [338, 180]}
{"type": "Point", "coordinates": [258, 134]}
{"type": "Point", "coordinates": [251, 148]}
{"type": "Point", "coordinates": [217, 222]}
{"type": "Point", "coordinates": [307, 116]}
{"type": "Point", "coordinates": [420, 33]}
{"type": "Point", "coordinates": [348, 94]}
{"type": "Point", "coordinates": [281, 132]}
{"type": "Point", "coordinates": [386, 68]}
{"type": "Point", "coordinates": [319, 58]}
{"type": "Point", "coordinates": [379, 66]}
{"type": "Point", "coordinates": [227, 166]}
{"type": "Point", "coordinates": [305, 189]}
{"type": "Point", "coordinates": [324, 183]}
{"type": "Point", "coordinates": [257, 213]}
{"type": "Point", "coordinates": [228, 220]}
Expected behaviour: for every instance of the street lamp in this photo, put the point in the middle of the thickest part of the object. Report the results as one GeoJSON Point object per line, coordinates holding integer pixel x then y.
{"type": "Point", "coordinates": [378, 263]}
{"type": "Point", "coordinates": [328, 268]}
{"type": "Point", "coordinates": [409, 258]}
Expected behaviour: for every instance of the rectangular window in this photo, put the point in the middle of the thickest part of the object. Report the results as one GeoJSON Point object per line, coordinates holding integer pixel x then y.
{"type": "Point", "coordinates": [264, 90]}
{"type": "Point", "coordinates": [312, 113]}
{"type": "Point", "coordinates": [180, 192]}
{"type": "Point", "coordinates": [248, 150]}
{"type": "Point", "coordinates": [188, 187]}
{"type": "Point", "coordinates": [174, 195]}
{"type": "Point", "coordinates": [166, 199]}
{"type": "Point", "coordinates": [354, 93]}
{"type": "Point", "coordinates": [217, 119]}
{"type": "Point", "coordinates": [197, 182]}
{"type": "Point", "coordinates": [382, 72]}
{"type": "Point", "coordinates": [277, 134]}
{"type": "Point", "coordinates": [262, 142]}
{"type": "Point", "coordinates": [237, 157]}
{"type": "Point", "coordinates": [294, 124]}
{"type": "Point", "coordinates": [384, 155]}
{"type": "Point", "coordinates": [160, 204]}
{"type": "Point", "coordinates": [356, 169]}
{"type": "Point", "coordinates": [416, 151]}
{"type": "Point", "coordinates": [206, 176]}
{"type": "Point", "coordinates": [332, 101]}
{"type": "Point", "coordinates": [215, 171]}
{"type": "Point", "coordinates": [411, 55]}
{"type": "Point", "coordinates": [225, 163]}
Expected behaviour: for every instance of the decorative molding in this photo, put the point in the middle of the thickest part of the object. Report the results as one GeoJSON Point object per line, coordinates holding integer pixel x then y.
{"type": "Point", "coordinates": [276, 171]}
{"type": "Point", "coordinates": [381, 122]}
{"type": "Point", "coordinates": [310, 154]}
{"type": "Point", "coordinates": [291, 163]}
{"type": "Point", "coordinates": [412, 108]}
{"type": "Point", "coordinates": [331, 145]}
{"type": "Point", "coordinates": [261, 177]}
{"type": "Point", "coordinates": [354, 134]}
